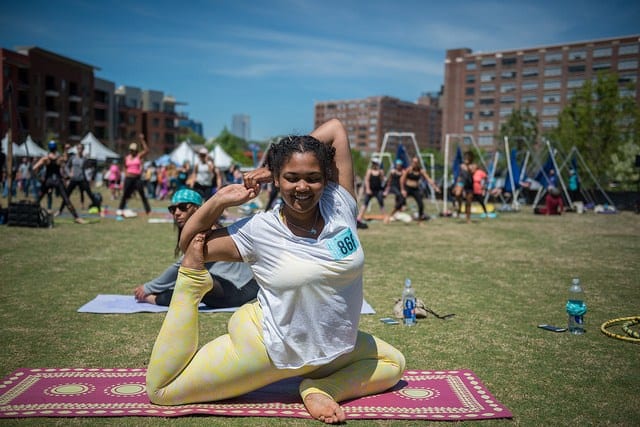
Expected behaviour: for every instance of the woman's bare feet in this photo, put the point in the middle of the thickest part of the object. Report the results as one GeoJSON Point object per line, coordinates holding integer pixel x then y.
{"type": "Point", "coordinates": [323, 408]}
{"type": "Point", "coordinates": [194, 255]}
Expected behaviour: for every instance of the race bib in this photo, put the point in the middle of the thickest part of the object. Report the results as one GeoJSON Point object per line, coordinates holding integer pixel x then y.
{"type": "Point", "coordinates": [343, 244]}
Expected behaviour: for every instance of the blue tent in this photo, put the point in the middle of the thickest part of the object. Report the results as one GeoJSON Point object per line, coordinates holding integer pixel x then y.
{"type": "Point", "coordinates": [457, 161]}
{"type": "Point", "coordinates": [515, 170]}
{"type": "Point", "coordinates": [401, 154]}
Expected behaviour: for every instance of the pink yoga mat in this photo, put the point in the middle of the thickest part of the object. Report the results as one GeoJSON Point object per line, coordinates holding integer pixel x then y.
{"type": "Point", "coordinates": [85, 392]}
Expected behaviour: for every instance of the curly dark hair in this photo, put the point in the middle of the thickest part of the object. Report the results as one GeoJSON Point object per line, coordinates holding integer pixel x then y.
{"type": "Point", "coordinates": [282, 151]}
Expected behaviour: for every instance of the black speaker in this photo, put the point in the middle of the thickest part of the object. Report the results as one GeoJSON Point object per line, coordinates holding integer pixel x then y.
{"type": "Point", "coordinates": [638, 160]}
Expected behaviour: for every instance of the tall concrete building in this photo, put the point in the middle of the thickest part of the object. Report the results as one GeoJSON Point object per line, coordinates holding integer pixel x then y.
{"type": "Point", "coordinates": [481, 90]}
{"type": "Point", "coordinates": [241, 126]}
{"type": "Point", "coordinates": [367, 120]}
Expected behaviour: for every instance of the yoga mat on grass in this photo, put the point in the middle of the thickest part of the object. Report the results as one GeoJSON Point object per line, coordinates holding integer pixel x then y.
{"type": "Point", "coordinates": [120, 392]}
{"type": "Point", "coordinates": [125, 304]}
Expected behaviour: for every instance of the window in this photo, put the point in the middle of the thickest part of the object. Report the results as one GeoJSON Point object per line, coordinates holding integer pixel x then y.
{"type": "Point", "coordinates": [552, 84]}
{"type": "Point", "coordinates": [550, 111]}
{"type": "Point", "coordinates": [486, 113]}
{"type": "Point", "coordinates": [530, 72]}
{"type": "Point", "coordinates": [627, 78]}
{"type": "Point", "coordinates": [468, 115]}
{"type": "Point", "coordinates": [508, 99]}
{"type": "Point", "coordinates": [485, 126]}
{"type": "Point", "coordinates": [487, 88]}
{"type": "Point", "coordinates": [551, 98]}
{"type": "Point", "coordinates": [508, 75]}
{"type": "Point", "coordinates": [468, 128]}
{"type": "Point", "coordinates": [627, 49]}
{"type": "Point", "coordinates": [552, 71]}
{"type": "Point", "coordinates": [600, 66]}
{"type": "Point", "coordinates": [469, 103]}
{"type": "Point", "coordinates": [629, 64]}
{"type": "Point", "coordinates": [602, 52]}
{"type": "Point", "coordinates": [487, 77]}
{"type": "Point", "coordinates": [509, 61]}
{"type": "Point", "coordinates": [574, 83]}
{"type": "Point", "coordinates": [486, 101]}
{"type": "Point", "coordinates": [553, 57]}
{"type": "Point", "coordinates": [471, 78]}
{"type": "Point", "coordinates": [469, 91]}
{"type": "Point", "coordinates": [529, 99]}
{"type": "Point", "coordinates": [528, 59]}
{"type": "Point", "coordinates": [471, 65]}
{"type": "Point", "coordinates": [577, 55]}
{"type": "Point", "coordinates": [577, 68]}
{"type": "Point", "coordinates": [507, 87]}
{"type": "Point", "coordinates": [505, 112]}
{"type": "Point", "coordinates": [550, 123]}
{"type": "Point", "coordinates": [488, 62]}
{"type": "Point", "coordinates": [485, 140]}
{"type": "Point", "coordinates": [530, 86]}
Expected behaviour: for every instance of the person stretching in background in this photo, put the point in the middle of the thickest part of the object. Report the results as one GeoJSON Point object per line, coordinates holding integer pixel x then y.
{"type": "Point", "coordinates": [133, 175]}
{"type": "Point", "coordinates": [373, 188]}
{"type": "Point", "coordinates": [234, 282]}
{"type": "Point", "coordinates": [410, 185]}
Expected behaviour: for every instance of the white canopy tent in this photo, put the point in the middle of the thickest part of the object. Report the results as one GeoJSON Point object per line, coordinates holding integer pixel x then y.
{"type": "Point", "coordinates": [183, 153]}
{"type": "Point", "coordinates": [96, 150]}
{"type": "Point", "coordinates": [15, 148]}
{"type": "Point", "coordinates": [32, 149]}
{"type": "Point", "coordinates": [221, 159]}
{"type": "Point", "coordinates": [29, 148]}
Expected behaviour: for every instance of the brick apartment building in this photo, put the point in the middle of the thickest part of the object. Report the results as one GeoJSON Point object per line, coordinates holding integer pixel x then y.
{"type": "Point", "coordinates": [45, 95]}
{"type": "Point", "coordinates": [367, 120]}
{"type": "Point", "coordinates": [49, 96]}
{"type": "Point", "coordinates": [481, 90]}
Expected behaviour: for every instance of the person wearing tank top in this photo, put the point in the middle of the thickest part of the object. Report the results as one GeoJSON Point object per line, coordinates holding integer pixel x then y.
{"type": "Point", "coordinates": [133, 164]}
{"type": "Point", "coordinates": [308, 262]}
{"type": "Point", "coordinates": [206, 176]}
{"type": "Point", "coordinates": [373, 187]}
{"type": "Point", "coordinates": [410, 185]}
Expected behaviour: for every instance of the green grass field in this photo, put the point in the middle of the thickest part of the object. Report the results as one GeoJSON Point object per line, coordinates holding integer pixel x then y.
{"type": "Point", "coordinates": [501, 277]}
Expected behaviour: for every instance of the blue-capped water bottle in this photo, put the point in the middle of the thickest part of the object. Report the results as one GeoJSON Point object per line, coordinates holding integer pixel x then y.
{"type": "Point", "coordinates": [576, 308]}
{"type": "Point", "coordinates": [408, 304]}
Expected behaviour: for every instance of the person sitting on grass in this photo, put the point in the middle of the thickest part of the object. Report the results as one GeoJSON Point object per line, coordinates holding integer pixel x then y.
{"type": "Point", "coordinates": [234, 282]}
{"type": "Point", "coordinates": [308, 262]}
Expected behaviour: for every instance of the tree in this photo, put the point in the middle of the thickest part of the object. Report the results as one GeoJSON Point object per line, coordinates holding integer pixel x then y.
{"type": "Point", "coordinates": [521, 125]}
{"type": "Point", "coordinates": [599, 120]}
{"type": "Point", "coordinates": [236, 147]}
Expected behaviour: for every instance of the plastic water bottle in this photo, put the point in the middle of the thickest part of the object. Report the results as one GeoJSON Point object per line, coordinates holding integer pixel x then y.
{"type": "Point", "coordinates": [576, 307]}
{"type": "Point", "coordinates": [408, 304]}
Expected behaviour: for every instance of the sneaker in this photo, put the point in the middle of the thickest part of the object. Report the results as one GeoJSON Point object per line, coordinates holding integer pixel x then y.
{"type": "Point", "coordinates": [128, 213]}
{"type": "Point", "coordinates": [79, 221]}
{"type": "Point", "coordinates": [119, 212]}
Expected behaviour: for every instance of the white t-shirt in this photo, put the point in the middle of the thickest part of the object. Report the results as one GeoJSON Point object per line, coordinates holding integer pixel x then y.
{"type": "Point", "coordinates": [310, 290]}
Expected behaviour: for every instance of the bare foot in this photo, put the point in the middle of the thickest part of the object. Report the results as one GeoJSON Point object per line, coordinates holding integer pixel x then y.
{"type": "Point", "coordinates": [194, 255]}
{"type": "Point", "coordinates": [324, 408]}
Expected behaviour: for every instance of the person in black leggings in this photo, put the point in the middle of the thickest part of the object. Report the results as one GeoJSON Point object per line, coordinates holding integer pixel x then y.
{"type": "Point", "coordinates": [410, 185]}
{"type": "Point", "coordinates": [53, 177]}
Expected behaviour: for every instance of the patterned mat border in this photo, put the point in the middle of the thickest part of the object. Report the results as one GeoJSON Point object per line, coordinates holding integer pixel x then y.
{"type": "Point", "coordinates": [476, 401]}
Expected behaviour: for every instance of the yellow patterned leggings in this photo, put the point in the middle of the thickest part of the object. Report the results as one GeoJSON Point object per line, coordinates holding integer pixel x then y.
{"type": "Point", "coordinates": [237, 362]}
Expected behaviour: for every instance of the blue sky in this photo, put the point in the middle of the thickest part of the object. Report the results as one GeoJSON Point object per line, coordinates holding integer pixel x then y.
{"type": "Point", "coordinates": [273, 59]}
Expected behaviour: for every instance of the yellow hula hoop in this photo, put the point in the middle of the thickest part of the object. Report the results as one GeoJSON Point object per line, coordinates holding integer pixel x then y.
{"type": "Point", "coordinates": [632, 320]}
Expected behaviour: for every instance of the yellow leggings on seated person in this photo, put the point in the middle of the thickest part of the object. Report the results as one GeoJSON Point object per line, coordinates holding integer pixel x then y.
{"type": "Point", "coordinates": [237, 362]}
